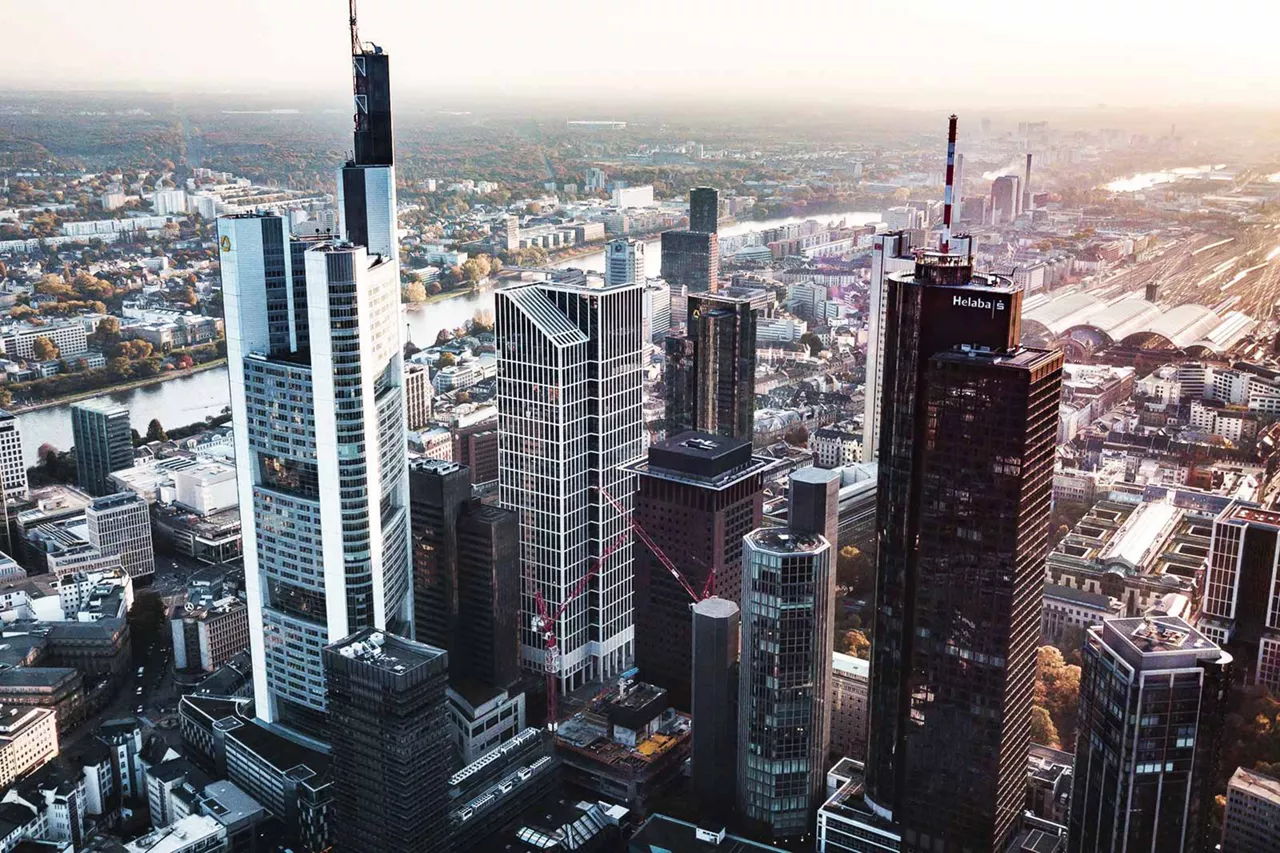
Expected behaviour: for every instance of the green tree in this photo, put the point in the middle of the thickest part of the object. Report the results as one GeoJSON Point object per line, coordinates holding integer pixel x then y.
{"type": "Point", "coordinates": [43, 349]}
{"type": "Point", "coordinates": [1043, 731]}
{"type": "Point", "coordinates": [155, 432]}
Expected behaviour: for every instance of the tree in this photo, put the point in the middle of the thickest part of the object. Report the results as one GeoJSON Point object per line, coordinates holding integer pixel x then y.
{"type": "Point", "coordinates": [813, 342]}
{"type": "Point", "coordinates": [1057, 690]}
{"type": "Point", "coordinates": [155, 432]}
{"type": "Point", "coordinates": [797, 436]}
{"type": "Point", "coordinates": [43, 349]}
{"type": "Point", "coordinates": [443, 337]}
{"type": "Point", "coordinates": [854, 570]}
{"type": "Point", "coordinates": [856, 643]}
{"type": "Point", "coordinates": [446, 359]}
{"type": "Point", "coordinates": [476, 268]}
{"type": "Point", "coordinates": [1043, 731]}
{"type": "Point", "coordinates": [414, 291]}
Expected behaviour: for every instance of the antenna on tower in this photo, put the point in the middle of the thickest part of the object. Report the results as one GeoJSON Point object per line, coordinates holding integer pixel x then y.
{"type": "Point", "coordinates": [945, 245]}
{"type": "Point", "coordinates": [355, 32]}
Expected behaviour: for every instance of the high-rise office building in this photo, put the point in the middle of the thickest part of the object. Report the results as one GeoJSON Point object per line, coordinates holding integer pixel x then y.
{"type": "Point", "coordinates": [1252, 818]}
{"type": "Point", "coordinates": [710, 381]}
{"type": "Point", "coordinates": [13, 465]}
{"type": "Point", "coordinates": [417, 395]}
{"type": "Point", "coordinates": [657, 311]}
{"type": "Point", "coordinates": [890, 253]}
{"type": "Point", "coordinates": [624, 261]}
{"type": "Point", "coordinates": [104, 443]}
{"type": "Point", "coordinates": [784, 678]}
{"type": "Point", "coordinates": [704, 210]}
{"type": "Point", "coordinates": [120, 525]}
{"type": "Point", "coordinates": [1006, 199]}
{"type": "Point", "coordinates": [967, 440]}
{"type": "Point", "coordinates": [386, 699]}
{"type": "Point", "coordinates": [715, 702]}
{"type": "Point", "coordinates": [569, 416]}
{"type": "Point", "coordinates": [691, 259]}
{"type": "Point", "coordinates": [466, 577]}
{"type": "Point", "coordinates": [1153, 694]}
{"type": "Point", "coordinates": [315, 344]}
{"type": "Point", "coordinates": [1241, 582]}
{"type": "Point", "coordinates": [698, 495]}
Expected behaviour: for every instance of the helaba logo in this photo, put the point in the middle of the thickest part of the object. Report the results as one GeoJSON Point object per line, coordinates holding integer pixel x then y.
{"type": "Point", "coordinates": [978, 302]}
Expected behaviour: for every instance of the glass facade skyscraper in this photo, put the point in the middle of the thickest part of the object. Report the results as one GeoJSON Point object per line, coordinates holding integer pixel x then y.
{"type": "Point", "coordinates": [710, 379]}
{"type": "Point", "coordinates": [103, 441]}
{"type": "Point", "coordinates": [315, 349]}
{"type": "Point", "coordinates": [569, 418]}
{"type": "Point", "coordinates": [966, 460]}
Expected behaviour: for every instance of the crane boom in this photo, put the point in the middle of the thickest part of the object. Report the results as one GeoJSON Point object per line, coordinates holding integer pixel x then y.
{"type": "Point", "coordinates": [355, 32]}
{"type": "Point", "coordinates": [658, 552]}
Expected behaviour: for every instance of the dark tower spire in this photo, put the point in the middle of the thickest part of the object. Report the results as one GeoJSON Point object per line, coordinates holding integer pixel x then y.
{"type": "Point", "coordinates": [371, 75]}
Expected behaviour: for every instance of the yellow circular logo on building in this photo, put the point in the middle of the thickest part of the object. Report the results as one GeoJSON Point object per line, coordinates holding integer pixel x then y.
{"type": "Point", "coordinates": [226, 244]}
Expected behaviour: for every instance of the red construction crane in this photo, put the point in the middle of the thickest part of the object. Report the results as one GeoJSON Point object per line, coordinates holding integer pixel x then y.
{"type": "Point", "coordinates": [546, 622]}
{"type": "Point", "coordinates": [707, 590]}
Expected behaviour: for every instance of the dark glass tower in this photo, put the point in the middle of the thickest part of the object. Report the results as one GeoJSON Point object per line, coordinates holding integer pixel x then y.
{"type": "Point", "coordinates": [1153, 695]}
{"type": "Point", "coordinates": [466, 576]}
{"type": "Point", "coordinates": [371, 73]}
{"type": "Point", "coordinates": [691, 259]}
{"type": "Point", "coordinates": [966, 460]}
{"type": "Point", "coordinates": [699, 494]}
{"type": "Point", "coordinates": [386, 698]}
{"type": "Point", "coordinates": [715, 703]}
{"type": "Point", "coordinates": [704, 210]}
{"type": "Point", "coordinates": [710, 378]}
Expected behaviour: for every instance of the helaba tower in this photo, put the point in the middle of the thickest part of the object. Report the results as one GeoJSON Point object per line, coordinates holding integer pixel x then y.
{"type": "Point", "coordinates": [315, 353]}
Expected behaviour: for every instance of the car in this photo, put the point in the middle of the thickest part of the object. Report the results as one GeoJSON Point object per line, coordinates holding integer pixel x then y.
{"type": "Point", "coordinates": [139, 691]}
{"type": "Point", "coordinates": [141, 670]}
{"type": "Point", "coordinates": [138, 710]}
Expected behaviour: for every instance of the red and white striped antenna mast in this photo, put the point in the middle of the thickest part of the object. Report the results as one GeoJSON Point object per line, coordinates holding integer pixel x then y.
{"type": "Point", "coordinates": [945, 245]}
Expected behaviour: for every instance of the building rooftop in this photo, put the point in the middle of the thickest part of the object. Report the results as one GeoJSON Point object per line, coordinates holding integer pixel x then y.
{"type": "Point", "coordinates": [227, 804]}
{"type": "Point", "coordinates": [1256, 785]}
{"type": "Point", "coordinates": [784, 540]}
{"type": "Point", "coordinates": [669, 835]}
{"type": "Point", "coordinates": [1155, 643]}
{"type": "Point", "coordinates": [716, 607]}
{"type": "Point", "coordinates": [280, 752]}
{"type": "Point", "coordinates": [1091, 599]}
{"type": "Point", "coordinates": [388, 652]}
{"type": "Point", "coordinates": [850, 665]}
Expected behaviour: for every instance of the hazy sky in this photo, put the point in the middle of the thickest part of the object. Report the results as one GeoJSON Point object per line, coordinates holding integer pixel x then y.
{"type": "Point", "coordinates": [1048, 52]}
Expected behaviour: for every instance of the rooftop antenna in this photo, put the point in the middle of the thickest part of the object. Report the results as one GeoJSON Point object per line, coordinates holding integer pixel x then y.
{"type": "Point", "coordinates": [945, 245]}
{"type": "Point", "coordinates": [355, 32]}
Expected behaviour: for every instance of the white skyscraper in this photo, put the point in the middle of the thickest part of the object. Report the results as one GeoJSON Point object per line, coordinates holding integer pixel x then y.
{"type": "Point", "coordinates": [569, 416]}
{"type": "Point", "coordinates": [315, 351]}
{"type": "Point", "coordinates": [624, 262]}
{"type": "Point", "coordinates": [890, 253]}
{"type": "Point", "coordinates": [13, 467]}
{"type": "Point", "coordinates": [657, 311]}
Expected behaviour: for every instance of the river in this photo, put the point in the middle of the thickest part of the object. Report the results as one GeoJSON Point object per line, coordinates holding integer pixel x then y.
{"type": "Point", "coordinates": [179, 402]}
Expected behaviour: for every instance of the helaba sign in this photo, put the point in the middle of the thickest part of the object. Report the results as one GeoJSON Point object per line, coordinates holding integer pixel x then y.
{"type": "Point", "coordinates": [978, 302]}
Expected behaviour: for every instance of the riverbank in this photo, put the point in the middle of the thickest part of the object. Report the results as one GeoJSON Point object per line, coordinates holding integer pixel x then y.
{"type": "Point", "coordinates": [64, 399]}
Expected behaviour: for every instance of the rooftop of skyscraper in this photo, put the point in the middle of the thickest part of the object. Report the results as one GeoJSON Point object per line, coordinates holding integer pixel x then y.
{"type": "Point", "coordinates": [702, 459]}
{"type": "Point", "coordinates": [1256, 784]}
{"type": "Point", "coordinates": [783, 540]}
{"type": "Point", "coordinates": [387, 651]}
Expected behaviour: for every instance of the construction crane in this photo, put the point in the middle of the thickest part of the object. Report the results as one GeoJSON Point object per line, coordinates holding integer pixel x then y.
{"type": "Point", "coordinates": [546, 621]}
{"type": "Point", "coordinates": [355, 33]}
{"type": "Point", "coordinates": [707, 590]}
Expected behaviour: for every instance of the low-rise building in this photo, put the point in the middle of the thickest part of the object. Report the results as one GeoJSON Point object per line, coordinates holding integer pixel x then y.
{"type": "Point", "coordinates": [670, 835]}
{"type": "Point", "coordinates": [1065, 608]}
{"type": "Point", "coordinates": [835, 448]}
{"type": "Point", "coordinates": [194, 833]}
{"type": "Point", "coordinates": [28, 740]}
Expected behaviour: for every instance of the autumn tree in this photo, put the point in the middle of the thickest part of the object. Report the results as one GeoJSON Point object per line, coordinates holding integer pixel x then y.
{"type": "Point", "coordinates": [414, 291]}
{"type": "Point", "coordinates": [854, 570]}
{"type": "Point", "coordinates": [446, 359]}
{"type": "Point", "coordinates": [43, 349]}
{"type": "Point", "coordinates": [856, 643]}
{"type": "Point", "coordinates": [1043, 731]}
{"type": "Point", "coordinates": [1057, 690]}
{"type": "Point", "coordinates": [797, 436]}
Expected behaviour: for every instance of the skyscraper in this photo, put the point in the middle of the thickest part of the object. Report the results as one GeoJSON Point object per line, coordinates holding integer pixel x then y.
{"type": "Point", "coordinates": [315, 349]}
{"type": "Point", "coordinates": [704, 210]}
{"type": "Point", "coordinates": [569, 416]}
{"type": "Point", "coordinates": [657, 311]}
{"type": "Point", "coordinates": [1236, 610]}
{"type": "Point", "coordinates": [466, 577]}
{"type": "Point", "coordinates": [715, 702]}
{"type": "Point", "coordinates": [386, 698]}
{"type": "Point", "coordinates": [624, 262]}
{"type": "Point", "coordinates": [1153, 694]}
{"type": "Point", "coordinates": [692, 258]}
{"type": "Point", "coordinates": [1006, 198]}
{"type": "Point", "coordinates": [103, 441]}
{"type": "Point", "coordinates": [698, 495]}
{"type": "Point", "coordinates": [714, 391]}
{"type": "Point", "coordinates": [784, 679]}
{"type": "Point", "coordinates": [967, 439]}
{"type": "Point", "coordinates": [120, 525]}
{"type": "Point", "coordinates": [890, 253]}
{"type": "Point", "coordinates": [13, 465]}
